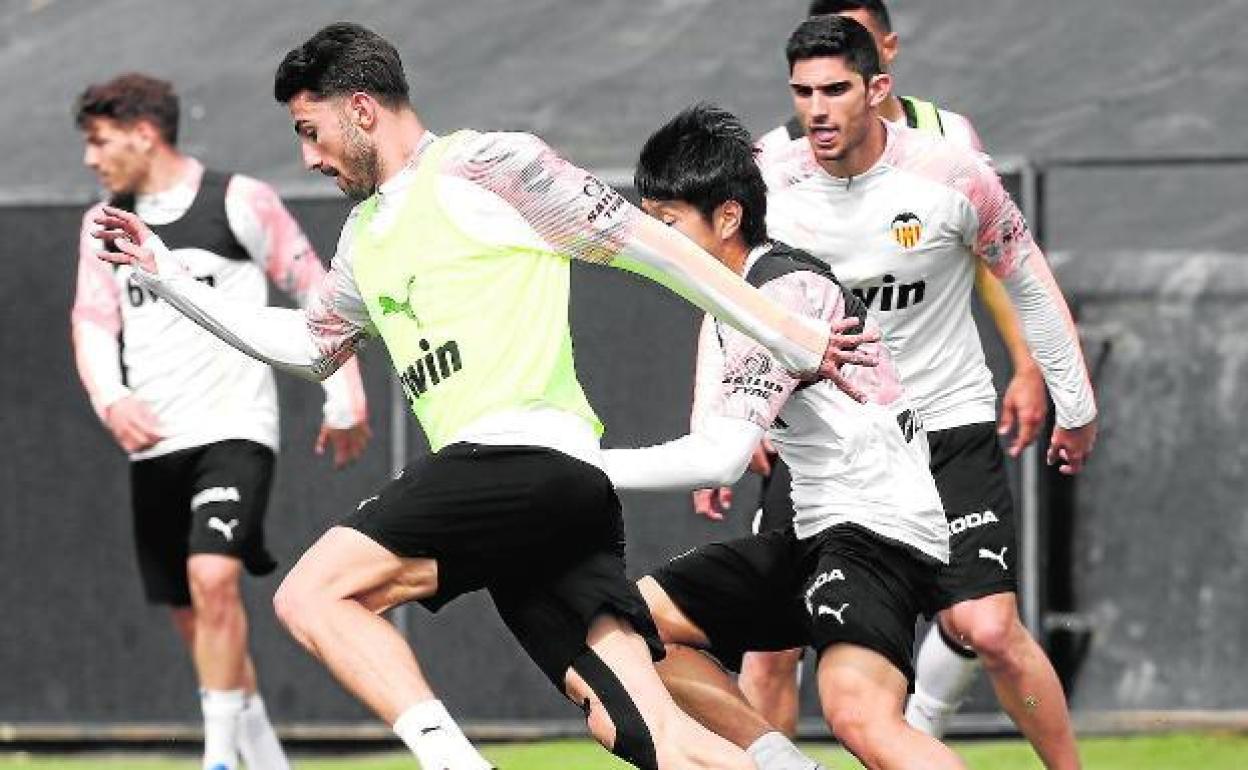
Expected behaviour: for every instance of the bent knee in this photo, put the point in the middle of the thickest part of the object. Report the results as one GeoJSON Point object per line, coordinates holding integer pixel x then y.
{"type": "Point", "coordinates": [992, 635]}
{"type": "Point", "coordinates": [214, 583]}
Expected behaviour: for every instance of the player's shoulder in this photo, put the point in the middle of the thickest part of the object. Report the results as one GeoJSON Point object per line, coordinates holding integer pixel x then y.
{"type": "Point", "coordinates": [936, 158]}
{"type": "Point", "coordinates": [959, 129]}
{"type": "Point", "coordinates": [491, 148]}
{"type": "Point", "coordinates": [783, 260]}
{"type": "Point", "coordinates": [244, 188]}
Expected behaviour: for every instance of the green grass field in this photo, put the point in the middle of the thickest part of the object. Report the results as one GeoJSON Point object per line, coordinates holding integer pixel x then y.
{"type": "Point", "coordinates": [1163, 752]}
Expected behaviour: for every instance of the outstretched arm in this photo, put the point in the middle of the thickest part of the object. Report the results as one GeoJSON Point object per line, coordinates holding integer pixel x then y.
{"type": "Point", "coordinates": [278, 245]}
{"type": "Point", "coordinates": [577, 215]}
{"type": "Point", "coordinates": [311, 344]}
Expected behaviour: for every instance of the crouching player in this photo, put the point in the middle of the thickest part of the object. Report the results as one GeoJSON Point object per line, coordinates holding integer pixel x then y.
{"type": "Point", "coordinates": [859, 563]}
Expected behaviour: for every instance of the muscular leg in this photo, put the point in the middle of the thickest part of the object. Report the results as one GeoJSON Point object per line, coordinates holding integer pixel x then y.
{"type": "Point", "coordinates": [1021, 674]}
{"type": "Point", "coordinates": [862, 695]}
{"type": "Point", "coordinates": [707, 693]}
{"type": "Point", "coordinates": [329, 603]}
{"type": "Point", "coordinates": [679, 742]}
{"type": "Point", "coordinates": [769, 682]}
{"type": "Point", "coordinates": [697, 683]}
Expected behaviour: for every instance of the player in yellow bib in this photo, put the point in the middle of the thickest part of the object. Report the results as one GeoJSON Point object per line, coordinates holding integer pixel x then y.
{"type": "Point", "coordinates": [458, 258]}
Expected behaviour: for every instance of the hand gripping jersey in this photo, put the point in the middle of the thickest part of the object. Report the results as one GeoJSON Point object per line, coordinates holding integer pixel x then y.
{"type": "Point", "coordinates": [903, 237]}
{"type": "Point", "coordinates": [229, 232]}
{"type": "Point", "coordinates": [860, 463]}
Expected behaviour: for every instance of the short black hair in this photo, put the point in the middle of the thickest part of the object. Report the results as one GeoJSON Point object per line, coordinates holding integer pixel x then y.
{"type": "Point", "coordinates": [835, 36]}
{"type": "Point", "coordinates": [704, 157]}
{"type": "Point", "coordinates": [875, 8]}
{"type": "Point", "coordinates": [128, 99]}
{"type": "Point", "coordinates": [343, 58]}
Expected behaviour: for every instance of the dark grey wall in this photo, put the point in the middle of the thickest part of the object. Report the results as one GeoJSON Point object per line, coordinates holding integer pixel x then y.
{"type": "Point", "coordinates": [1161, 531]}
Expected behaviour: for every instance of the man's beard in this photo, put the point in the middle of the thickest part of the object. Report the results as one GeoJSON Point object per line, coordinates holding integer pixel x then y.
{"type": "Point", "coordinates": [360, 166]}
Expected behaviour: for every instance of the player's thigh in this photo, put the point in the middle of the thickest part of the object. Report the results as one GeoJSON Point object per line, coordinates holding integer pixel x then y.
{"type": "Point", "coordinates": [345, 563]}
{"type": "Point", "coordinates": [675, 627]}
{"type": "Point", "coordinates": [857, 684]}
{"type": "Point", "coordinates": [160, 491]}
{"type": "Point", "coordinates": [734, 597]}
{"type": "Point", "coordinates": [969, 468]}
{"type": "Point", "coordinates": [230, 485]}
{"type": "Point", "coordinates": [867, 592]}
{"type": "Point", "coordinates": [552, 615]}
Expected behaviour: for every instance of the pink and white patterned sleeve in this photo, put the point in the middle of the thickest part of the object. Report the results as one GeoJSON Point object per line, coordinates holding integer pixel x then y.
{"type": "Point", "coordinates": [579, 215]}
{"type": "Point", "coordinates": [279, 246]}
{"type": "Point", "coordinates": [95, 324]}
{"type": "Point", "coordinates": [1003, 241]}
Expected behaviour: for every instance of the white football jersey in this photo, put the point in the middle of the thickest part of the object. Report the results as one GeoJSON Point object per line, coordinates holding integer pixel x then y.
{"type": "Point", "coordinates": [852, 463]}
{"type": "Point", "coordinates": [200, 390]}
{"type": "Point", "coordinates": [904, 237]}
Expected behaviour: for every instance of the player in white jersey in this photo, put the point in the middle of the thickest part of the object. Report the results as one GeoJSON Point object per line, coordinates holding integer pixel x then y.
{"type": "Point", "coordinates": [945, 668]}
{"type": "Point", "coordinates": [858, 564]}
{"type": "Point", "coordinates": [458, 258]}
{"type": "Point", "coordinates": [903, 217]}
{"type": "Point", "coordinates": [199, 421]}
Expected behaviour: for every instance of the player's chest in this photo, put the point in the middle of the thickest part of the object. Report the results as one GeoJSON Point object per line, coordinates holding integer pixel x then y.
{"type": "Point", "coordinates": [887, 244]}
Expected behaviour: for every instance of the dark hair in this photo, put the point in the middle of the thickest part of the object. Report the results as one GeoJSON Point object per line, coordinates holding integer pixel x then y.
{"type": "Point", "coordinates": [875, 8]}
{"type": "Point", "coordinates": [704, 157]}
{"type": "Point", "coordinates": [130, 98]}
{"type": "Point", "coordinates": [343, 58]}
{"type": "Point", "coordinates": [821, 36]}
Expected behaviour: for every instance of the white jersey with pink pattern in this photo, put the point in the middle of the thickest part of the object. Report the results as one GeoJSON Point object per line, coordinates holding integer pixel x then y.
{"type": "Point", "coordinates": [129, 342]}
{"type": "Point", "coordinates": [852, 463]}
{"type": "Point", "coordinates": [904, 236]}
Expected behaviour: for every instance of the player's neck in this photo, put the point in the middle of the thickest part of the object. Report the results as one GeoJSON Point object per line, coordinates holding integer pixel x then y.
{"type": "Point", "coordinates": [399, 147]}
{"type": "Point", "coordinates": [891, 110]}
{"type": "Point", "coordinates": [861, 158]}
{"type": "Point", "coordinates": [168, 169]}
{"type": "Point", "coordinates": [734, 255]}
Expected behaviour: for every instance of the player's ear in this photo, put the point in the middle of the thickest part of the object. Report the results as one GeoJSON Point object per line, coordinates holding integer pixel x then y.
{"type": "Point", "coordinates": [890, 44]}
{"type": "Point", "coordinates": [727, 219]}
{"type": "Point", "coordinates": [362, 110]}
{"type": "Point", "coordinates": [878, 89]}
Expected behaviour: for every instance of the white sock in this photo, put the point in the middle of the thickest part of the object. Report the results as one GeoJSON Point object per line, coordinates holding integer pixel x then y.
{"type": "Point", "coordinates": [942, 677]}
{"type": "Point", "coordinates": [221, 711]}
{"type": "Point", "coordinates": [257, 741]}
{"type": "Point", "coordinates": [432, 735]}
{"type": "Point", "coordinates": [774, 751]}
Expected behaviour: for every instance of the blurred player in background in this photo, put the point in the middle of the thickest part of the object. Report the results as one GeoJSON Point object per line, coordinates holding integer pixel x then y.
{"type": "Point", "coordinates": [458, 258]}
{"type": "Point", "coordinates": [904, 217]}
{"type": "Point", "coordinates": [945, 668]}
{"type": "Point", "coordinates": [198, 420]}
